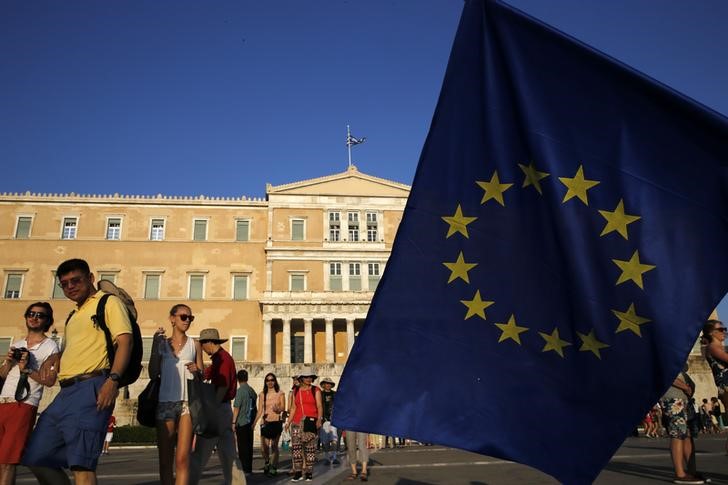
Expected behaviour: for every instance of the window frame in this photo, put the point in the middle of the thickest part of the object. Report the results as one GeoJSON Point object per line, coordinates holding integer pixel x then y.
{"type": "Point", "coordinates": [238, 221]}
{"type": "Point", "coordinates": [146, 275]}
{"type": "Point", "coordinates": [356, 276]}
{"type": "Point", "coordinates": [17, 226]}
{"type": "Point", "coordinates": [333, 276]}
{"type": "Point", "coordinates": [190, 275]}
{"type": "Point", "coordinates": [233, 278]}
{"type": "Point", "coordinates": [8, 275]}
{"type": "Point", "coordinates": [297, 274]}
{"type": "Point", "coordinates": [75, 228]}
{"type": "Point", "coordinates": [151, 228]}
{"type": "Point", "coordinates": [108, 227]}
{"type": "Point", "coordinates": [194, 226]}
{"type": "Point", "coordinates": [334, 226]}
{"type": "Point", "coordinates": [231, 347]}
{"type": "Point", "coordinates": [302, 221]}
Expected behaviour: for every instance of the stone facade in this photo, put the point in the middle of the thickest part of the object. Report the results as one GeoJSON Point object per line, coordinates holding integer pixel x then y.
{"type": "Point", "coordinates": [287, 279]}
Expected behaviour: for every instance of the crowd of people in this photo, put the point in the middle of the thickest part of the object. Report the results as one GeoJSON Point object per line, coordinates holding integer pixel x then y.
{"type": "Point", "coordinates": [77, 427]}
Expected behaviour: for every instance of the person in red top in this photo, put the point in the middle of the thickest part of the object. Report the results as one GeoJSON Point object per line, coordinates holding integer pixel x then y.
{"type": "Point", "coordinates": [222, 374]}
{"type": "Point", "coordinates": [306, 417]}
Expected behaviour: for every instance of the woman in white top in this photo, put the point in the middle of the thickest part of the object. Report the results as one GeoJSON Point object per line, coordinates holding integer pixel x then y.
{"type": "Point", "coordinates": [170, 359]}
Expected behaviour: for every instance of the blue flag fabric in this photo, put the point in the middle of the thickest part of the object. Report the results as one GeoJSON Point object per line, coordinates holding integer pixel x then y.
{"type": "Point", "coordinates": [563, 243]}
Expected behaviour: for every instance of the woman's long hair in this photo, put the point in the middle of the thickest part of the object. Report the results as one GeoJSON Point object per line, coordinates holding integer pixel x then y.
{"type": "Point", "coordinates": [275, 384]}
{"type": "Point", "coordinates": [709, 327]}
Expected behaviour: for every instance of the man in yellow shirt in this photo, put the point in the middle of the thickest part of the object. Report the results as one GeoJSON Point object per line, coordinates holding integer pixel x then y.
{"type": "Point", "coordinates": [70, 433]}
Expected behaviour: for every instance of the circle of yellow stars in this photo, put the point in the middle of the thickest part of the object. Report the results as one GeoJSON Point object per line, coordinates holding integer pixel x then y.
{"type": "Point", "coordinates": [617, 221]}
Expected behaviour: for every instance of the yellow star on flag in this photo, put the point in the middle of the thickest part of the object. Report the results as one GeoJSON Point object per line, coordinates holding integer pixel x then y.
{"type": "Point", "coordinates": [476, 306]}
{"type": "Point", "coordinates": [632, 269]}
{"type": "Point", "coordinates": [458, 223]}
{"type": "Point", "coordinates": [629, 320]}
{"type": "Point", "coordinates": [589, 343]}
{"type": "Point", "coordinates": [554, 342]}
{"type": "Point", "coordinates": [577, 186]}
{"type": "Point", "coordinates": [510, 330]}
{"type": "Point", "coordinates": [459, 269]}
{"type": "Point", "coordinates": [493, 189]}
{"type": "Point", "coordinates": [533, 177]}
{"type": "Point", "coordinates": [617, 220]}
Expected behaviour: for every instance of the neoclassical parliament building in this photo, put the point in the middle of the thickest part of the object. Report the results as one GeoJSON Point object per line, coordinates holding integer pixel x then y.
{"type": "Point", "coordinates": [288, 278]}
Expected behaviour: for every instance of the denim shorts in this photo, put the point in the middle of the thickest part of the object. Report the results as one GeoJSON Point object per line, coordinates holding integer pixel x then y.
{"type": "Point", "coordinates": [70, 432]}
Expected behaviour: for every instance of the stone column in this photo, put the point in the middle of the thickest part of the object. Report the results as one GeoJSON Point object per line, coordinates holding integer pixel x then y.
{"type": "Point", "coordinates": [330, 340]}
{"type": "Point", "coordinates": [286, 340]}
{"type": "Point", "coordinates": [349, 334]}
{"type": "Point", "coordinates": [307, 341]}
{"type": "Point", "coordinates": [267, 346]}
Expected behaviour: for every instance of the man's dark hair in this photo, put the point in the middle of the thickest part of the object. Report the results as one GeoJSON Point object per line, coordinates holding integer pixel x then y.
{"type": "Point", "coordinates": [242, 376]}
{"type": "Point", "coordinates": [48, 310]}
{"type": "Point", "coordinates": [72, 265]}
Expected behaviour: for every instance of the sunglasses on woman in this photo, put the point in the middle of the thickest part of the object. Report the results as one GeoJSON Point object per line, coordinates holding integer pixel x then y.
{"type": "Point", "coordinates": [184, 317]}
{"type": "Point", "coordinates": [38, 315]}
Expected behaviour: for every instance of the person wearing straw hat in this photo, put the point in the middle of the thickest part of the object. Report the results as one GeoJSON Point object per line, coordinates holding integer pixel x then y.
{"type": "Point", "coordinates": [328, 433]}
{"type": "Point", "coordinates": [304, 421]}
{"type": "Point", "coordinates": [222, 374]}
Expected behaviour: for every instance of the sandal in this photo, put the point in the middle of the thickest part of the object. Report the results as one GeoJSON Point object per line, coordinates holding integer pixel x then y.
{"type": "Point", "coordinates": [363, 477]}
{"type": "Point", "coordinates": [351, 477]}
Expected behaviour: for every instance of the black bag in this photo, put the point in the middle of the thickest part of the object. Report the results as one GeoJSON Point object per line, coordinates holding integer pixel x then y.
{"type": "Point", "coordinates": [204, 408]}
{"type": "Point", "coordinates": [148, 401]}
{"type": "Point", "coordinates": [309, 425]}
{"type": "Point", "coordinates": [271, 430]}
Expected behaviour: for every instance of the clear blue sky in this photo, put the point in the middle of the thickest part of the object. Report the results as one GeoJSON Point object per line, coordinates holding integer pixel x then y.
{"type": "Point", "coordinates": [218, 98]}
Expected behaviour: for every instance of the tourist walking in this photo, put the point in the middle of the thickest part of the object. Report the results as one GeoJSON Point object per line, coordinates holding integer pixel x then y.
{"type": "Point", "coordinates": [714, 333]}
{"type": "Point", "coordinates": [271, 406]}
{"type": "Point", "coordinates": [170, 360]}
{"type": "Point", "coordinates": [305, 420]}
{"type": "Point", "coordinates": [357, 442]}
{"type": "Point", "coordinates": [244, 412]}
{"type": "Point", "coordinates": [328, 434]}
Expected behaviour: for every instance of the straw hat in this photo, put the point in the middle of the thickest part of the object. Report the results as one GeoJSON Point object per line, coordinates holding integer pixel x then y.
{"type": "Point", "coordinates": [212, 335]}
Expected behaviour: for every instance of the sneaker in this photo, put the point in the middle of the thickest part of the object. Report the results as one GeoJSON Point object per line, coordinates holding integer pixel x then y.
{"type": "Point", "coordinates": [309, 477]}
{"type": "Point", "coordinates": [688, 480]}
{"type": "Point", "coordinates": [297, 477]}
{"type": "Point", "coordinates": [272, 471]}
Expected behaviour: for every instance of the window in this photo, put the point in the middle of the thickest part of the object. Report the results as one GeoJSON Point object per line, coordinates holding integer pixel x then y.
{"type": "Point", "coordinates": [353, 226]}
{"type": "Point", "coordinates": [372, 226]}
{"type": "Point", "coordinates": [355, 276]}
{"type": "Point", "coordinates": [147, 348]}
{"type": "Point", "coordinates": [297, 348]}
{"type": "Point", "coordinates": [69, 228]}
{"type": "Point", "coordinates": [297, 230]}
{"type": "Point", "coordinates": [22, 230]}
{"type": "Point", "coordinates": [57, 290]}
{"type": "Point", "coordinates": [240, 287]}
{"type": "Point", "coordinates": [12, 286]}
{"type": "Point", "coordinates": [113, 228]}
{"type": "Point", "coordinates": [242, 230]}
{"type": "Point", "coordinates": [151, 286]}
{"type": "Point", "coordinates": [334, 226]}
{"type": "Point", "coordinates": [238, 347]}
{"type": "Point", "coordinates": [197, 287]}
{"type": "Point", "coordinates": [157, 230]}
{"type": "Point", "coordinates": [298, 282]}
{"type": "Point", "coordinates": [5, 345]}
{"type": "Point", "coordinates": [108, 277]}
{"type": "Point", "coordinates": [373, 276]}
{"type": "Point", "coordinates": [200, 230]}
{"type": "Point", "coordinates": [335, 276]}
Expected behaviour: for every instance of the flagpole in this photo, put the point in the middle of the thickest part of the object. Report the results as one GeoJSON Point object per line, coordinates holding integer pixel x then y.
{"type": "Point", "coordinates": [348, 142]}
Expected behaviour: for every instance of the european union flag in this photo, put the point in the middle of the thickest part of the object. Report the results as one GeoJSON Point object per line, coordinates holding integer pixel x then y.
{"type": "Point", "coordinates": [565, 239]}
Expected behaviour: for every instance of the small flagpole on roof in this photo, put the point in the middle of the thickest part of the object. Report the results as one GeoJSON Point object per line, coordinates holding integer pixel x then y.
{"type": "Point", "coordinates": [351, 141]}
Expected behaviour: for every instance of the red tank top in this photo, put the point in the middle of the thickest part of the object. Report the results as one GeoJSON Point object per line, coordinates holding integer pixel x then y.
{"type": "Point", "coordinates": [305, 404]}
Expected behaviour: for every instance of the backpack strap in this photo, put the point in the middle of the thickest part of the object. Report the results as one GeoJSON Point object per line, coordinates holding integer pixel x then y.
{"type": "Point", "coordinates": [100, 321]}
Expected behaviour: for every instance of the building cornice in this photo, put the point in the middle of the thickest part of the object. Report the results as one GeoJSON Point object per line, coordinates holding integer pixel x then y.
{"type": "Point", "coordinates": [159, 199]}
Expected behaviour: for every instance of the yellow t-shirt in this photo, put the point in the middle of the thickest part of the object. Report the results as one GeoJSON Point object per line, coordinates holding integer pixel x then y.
{"type": "Point", "coordinates": [84, 343]}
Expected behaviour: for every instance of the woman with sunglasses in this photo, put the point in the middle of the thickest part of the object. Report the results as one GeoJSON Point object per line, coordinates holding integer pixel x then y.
{"type": "Point", "coordinates": [714, 336]}
{"type": "Point", "coordinates": [305, 419]}
{"type": "Point", "coordinates": [271, 403]}
{"type": "Point", "coordinates": [174, 359]}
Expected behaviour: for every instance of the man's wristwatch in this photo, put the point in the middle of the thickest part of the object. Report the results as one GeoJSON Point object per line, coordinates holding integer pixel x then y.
{"type": "Point", "coordinates": [115, 377]}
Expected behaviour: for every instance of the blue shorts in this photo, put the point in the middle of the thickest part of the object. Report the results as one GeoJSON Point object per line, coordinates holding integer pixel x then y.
{"type": "Point", "coordinates": [70, 432]}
